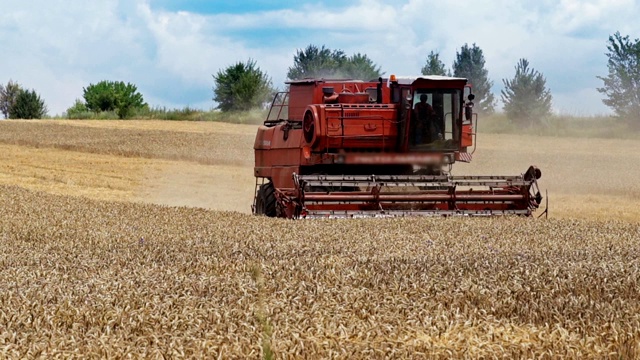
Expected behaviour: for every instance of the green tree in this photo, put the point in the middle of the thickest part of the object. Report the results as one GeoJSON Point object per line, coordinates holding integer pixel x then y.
{"type": "Point", "coordinates": [113, 96]}
{"type": "Point", "coordinates": [315, 62]}
{"type": "Point", "coordinates": [469, 63]}
{"type": "Point", "coordinates": [360, 67]}
{"type": "Point", "coordinates": [526, 97]}
{"type": "Point", "coordinates": [622, 84]}
{"type": "Point", "coordinates": [100, 97]}
{"type": "Point", "coordinates": [28, 105]}
{"type": "Point", "coordinates": [128, 99]}
{"type": "Point", "coordinates": [8, 95]}
{"type": "Point", "coordinates": [242, 86]}
{"type": "Point", "coordinates": [434, 66]}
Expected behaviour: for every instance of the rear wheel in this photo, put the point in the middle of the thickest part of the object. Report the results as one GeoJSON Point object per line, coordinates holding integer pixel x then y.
{"type": "Point", "coordinates": [266, 200]}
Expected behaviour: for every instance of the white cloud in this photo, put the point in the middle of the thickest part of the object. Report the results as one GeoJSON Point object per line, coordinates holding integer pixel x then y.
{"type": "Point", "coordinates": [578, 15]}
{"type": "Point", "coordinates": [58, 47]}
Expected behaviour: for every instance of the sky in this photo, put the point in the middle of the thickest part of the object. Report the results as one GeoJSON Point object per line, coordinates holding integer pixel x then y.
{"type": "Point", "coordinates": [171, 48]}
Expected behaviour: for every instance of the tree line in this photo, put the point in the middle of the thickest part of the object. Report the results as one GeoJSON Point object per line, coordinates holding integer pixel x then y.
{"type": "Point", "coordinates": [526, 97]}
{"type": "Point", "coordinates": [243, 85]}
{"type": "Point", "coordinates": [123, 99]}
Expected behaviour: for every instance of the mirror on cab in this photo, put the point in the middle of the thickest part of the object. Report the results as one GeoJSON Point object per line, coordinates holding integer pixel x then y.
{"type": "Point", "coordinates": [468, 107]}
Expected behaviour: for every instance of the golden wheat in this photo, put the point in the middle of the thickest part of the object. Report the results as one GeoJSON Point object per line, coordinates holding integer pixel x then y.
{"type": "Point", "coordinates": [215, 144]}
{"type": "Point", "coordinates": [82, 278]}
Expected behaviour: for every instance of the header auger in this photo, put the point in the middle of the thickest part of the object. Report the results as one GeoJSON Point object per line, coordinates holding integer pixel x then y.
{"type": "Point", "coordinates": [346, 148]}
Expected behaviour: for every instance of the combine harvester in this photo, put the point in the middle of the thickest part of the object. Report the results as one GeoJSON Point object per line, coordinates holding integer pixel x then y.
{"type": "Point", "coordinates": [346, 148]}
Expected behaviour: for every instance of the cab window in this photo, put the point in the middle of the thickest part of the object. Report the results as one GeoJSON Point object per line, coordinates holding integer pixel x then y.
{"type": "Point", "coordinates": [434, 119]}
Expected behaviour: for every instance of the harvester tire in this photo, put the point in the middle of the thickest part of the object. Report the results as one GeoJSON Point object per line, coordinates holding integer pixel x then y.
{"type": "Point", "coordinates": [266, 200]}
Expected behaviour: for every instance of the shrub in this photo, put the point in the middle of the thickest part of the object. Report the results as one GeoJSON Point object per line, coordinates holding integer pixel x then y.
{"type": "Point", "coordinates": [113, 96]}
{"type": "Point", "coordinates": [78, 110]}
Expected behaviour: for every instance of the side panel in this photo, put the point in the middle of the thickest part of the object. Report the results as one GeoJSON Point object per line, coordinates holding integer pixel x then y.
{"type": "Point", "coordinates": [300, 95]}
{"type": "Point", "coordinates": [358, 126]}
{"type": "Point", "coordinates": [369, 128]}
{"type": "Point", "coordinates": [278, 155]}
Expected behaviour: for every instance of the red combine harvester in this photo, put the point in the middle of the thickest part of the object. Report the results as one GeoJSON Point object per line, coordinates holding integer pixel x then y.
{"type": "Point", "coordinates": [346, 148]}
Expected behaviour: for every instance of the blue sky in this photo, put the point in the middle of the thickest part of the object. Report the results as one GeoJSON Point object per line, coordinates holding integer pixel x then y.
{"type": "Point", "coordinates": [170, 49]}
{"type": "Point", "coordinates": [239, 7]}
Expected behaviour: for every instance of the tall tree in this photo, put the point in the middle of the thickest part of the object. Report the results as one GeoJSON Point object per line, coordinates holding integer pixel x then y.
{"type": "Point", "coordinates": [242, 86]}
{"type": "Point", "coordinates": [322, 62]}
{"type": "Point", "coordinates": [622, 84]}
{"type": "Point", "coordinates": [469, 63]}
{"type": "Point", "coordinates": [526, 97]}
{"type": "Point", "coordinates": [127, 99]}
{"type": "Point", "coordinates": [8, 96]}
{"type": "Point", "coordinates": [434, 66]}
{"type": "Point", "coordinates": [28, 105]}
{"type": "Point", "coordinates": [360, 67]}
{"type": "Point", "coordinates": [314, 62]}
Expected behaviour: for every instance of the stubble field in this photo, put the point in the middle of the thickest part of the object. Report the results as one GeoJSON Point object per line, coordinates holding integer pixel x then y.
{"type": "Point", "coordinates": [134, 239]}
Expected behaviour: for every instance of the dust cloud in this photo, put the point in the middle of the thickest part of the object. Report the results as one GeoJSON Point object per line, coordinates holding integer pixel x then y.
{"type": "Point", "coordinates": [217, 187]}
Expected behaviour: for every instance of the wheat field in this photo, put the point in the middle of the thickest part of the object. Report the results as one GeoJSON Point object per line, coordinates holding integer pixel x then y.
{"type": "Point", "coordinates": [134, 240]}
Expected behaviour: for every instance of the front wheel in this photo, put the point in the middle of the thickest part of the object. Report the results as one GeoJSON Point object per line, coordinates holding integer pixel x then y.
{"type": "Point", "coordinates": [266, 200]}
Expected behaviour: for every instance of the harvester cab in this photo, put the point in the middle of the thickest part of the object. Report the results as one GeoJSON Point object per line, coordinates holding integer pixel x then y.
{"type": "Point", "coordinates": [348, 148]}
{"type": "Point", "coordinates": [435, 122]}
